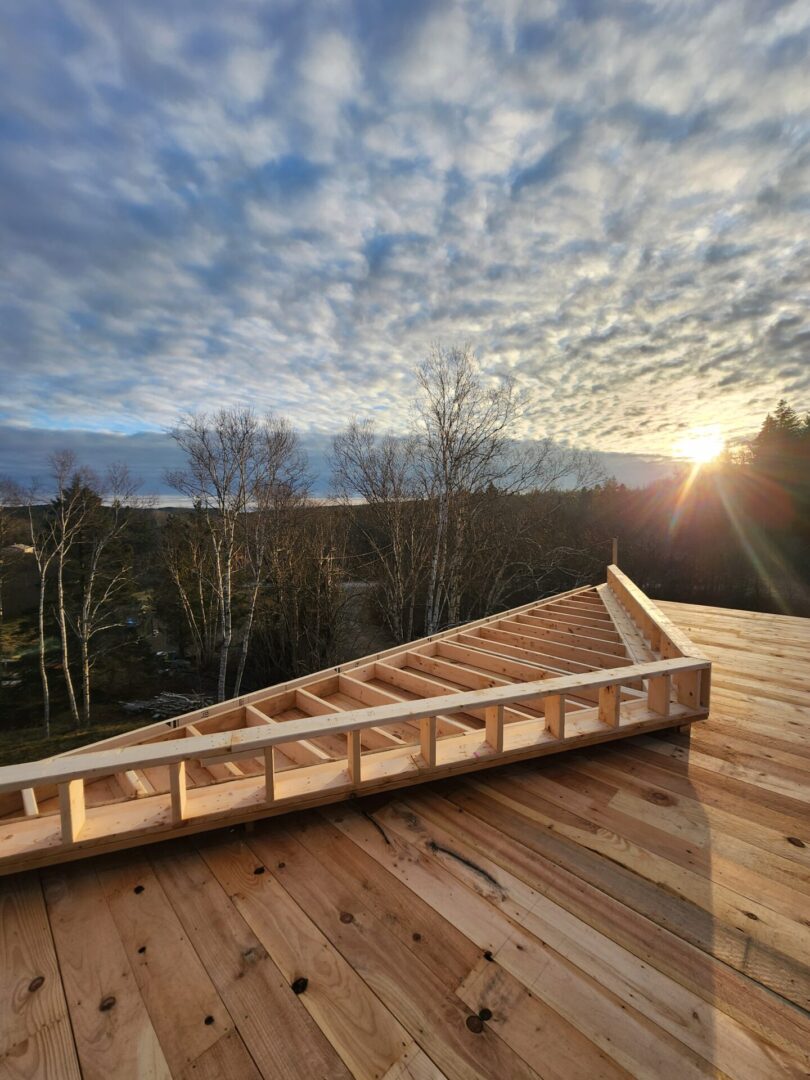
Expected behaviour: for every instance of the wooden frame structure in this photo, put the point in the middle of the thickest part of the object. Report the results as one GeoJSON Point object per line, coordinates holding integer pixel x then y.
{"type": "Point", "coordinates": [588, 666]}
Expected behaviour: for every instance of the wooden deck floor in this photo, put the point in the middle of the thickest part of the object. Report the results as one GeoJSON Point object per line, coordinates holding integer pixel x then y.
{"type": "Point", "coordinates": [640, 909]}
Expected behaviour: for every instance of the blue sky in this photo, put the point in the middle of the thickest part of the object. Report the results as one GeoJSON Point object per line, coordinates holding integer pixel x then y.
{"type": "Point", "coordinates": [284, 204]}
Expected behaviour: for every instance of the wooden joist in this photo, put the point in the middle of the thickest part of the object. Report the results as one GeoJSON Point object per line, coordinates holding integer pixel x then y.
{"type": "Point", "coordinates": [535, 680]}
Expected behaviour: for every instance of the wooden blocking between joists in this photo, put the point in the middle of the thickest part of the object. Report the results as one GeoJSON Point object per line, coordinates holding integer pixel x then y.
{"type": "Point", "coordinates": [269, 775]}
{"type": "Point", "coordinates": [493, 718]}
{"type": "Point", "coordinates": [29, 801]}
{"type": "Point", "coordinates": [71, 810]}
{"type": "Point", "coordinates": [659, 689]}
{"type": "Point", "coordinates": [687, 688]}
{"type": "Point", "coordinates": [177, 787]}
{"type": "Point", "coordinates": [555, 715]}
{"type": "Point", "coordinates": [354, 755]}
{"type": "Point", "coordinates": [610, 701]}
{"type": "Point", "coordinates": [427, 739]}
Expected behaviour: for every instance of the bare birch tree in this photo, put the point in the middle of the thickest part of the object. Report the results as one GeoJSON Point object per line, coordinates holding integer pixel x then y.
{"type": "Point", "coordinates": [44, 550]}
{"type": "Point", "coordinates": [10, 499]}
{"type": "Point", "coordinates": [469, 455]}
{"type": "Point", "coordinates": [68, 513]}
{"type": "Point", "coordinates": [237, 466]}
{"type": "Point", "coordinates": [280, 487]}
{"type": "Point", "coordinates": [392, 519]}
{"type": "Point", "coordinates": [105, 565]}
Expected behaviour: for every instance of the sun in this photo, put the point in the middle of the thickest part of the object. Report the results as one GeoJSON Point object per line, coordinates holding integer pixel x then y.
{"type": "Point", "coordinates": [701, 445]}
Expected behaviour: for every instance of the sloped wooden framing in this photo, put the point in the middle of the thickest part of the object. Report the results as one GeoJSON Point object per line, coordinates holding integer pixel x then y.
{"type": "Point", "coordinates": [513, 686]}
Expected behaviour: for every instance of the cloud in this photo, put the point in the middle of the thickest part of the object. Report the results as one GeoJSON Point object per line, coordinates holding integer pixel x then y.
{"type": "Point", "coordinates": [25, 458]}
{"type": "Point", "coordinates": [283, 205]}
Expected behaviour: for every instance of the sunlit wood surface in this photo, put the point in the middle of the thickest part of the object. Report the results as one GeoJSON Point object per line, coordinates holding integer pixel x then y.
{"type": "Point", "coordinates": [638, 908]}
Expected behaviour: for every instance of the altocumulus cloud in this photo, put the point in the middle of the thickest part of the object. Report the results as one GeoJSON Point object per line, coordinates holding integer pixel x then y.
{"type": "Point", "coordinates": [285, 203]}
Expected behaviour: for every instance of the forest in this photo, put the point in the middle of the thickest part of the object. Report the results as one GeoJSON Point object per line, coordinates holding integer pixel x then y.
{"type": "Point", "coordinates": [114, 611]}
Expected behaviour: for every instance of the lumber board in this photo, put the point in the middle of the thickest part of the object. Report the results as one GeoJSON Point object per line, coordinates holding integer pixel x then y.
{"type": "Point", "coordinates": [35, 1032]}
{"type": "Point", "coordinates": [114, 1034]}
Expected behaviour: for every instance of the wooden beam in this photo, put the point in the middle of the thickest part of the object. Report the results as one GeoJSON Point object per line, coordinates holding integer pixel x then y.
{"type": "Point", "coordinates": [494, 727]}
{"type": "Point", "coordinates": [29, 801]}
{"type": "Point", "coordinates": [177, 788]}
{"type": "Point", "coordinates": [610, 700]}
{"type": "Point", "coordinates": [269, 775]}
{"type": "Point", "coordinates": [555, 716]}
{"type": "Point", "coordinates": [427, 740]}
{"type": "Point", "coordinates": [71, 809]}
{"type": "Point", "coordinates": [659, 693]}
{"type": "Point", "coordinates": [354, 755]}
{"type": "Point", "coordinates": [59, 770]}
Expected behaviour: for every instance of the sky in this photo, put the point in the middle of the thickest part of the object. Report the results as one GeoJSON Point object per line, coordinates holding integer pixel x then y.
{"type": "Point", "coordinates": [284, 204]}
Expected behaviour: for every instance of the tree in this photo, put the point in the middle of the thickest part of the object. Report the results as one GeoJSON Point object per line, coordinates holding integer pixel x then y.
{"type": "Point", "coordinates": [469, 456]}
{"type": "Point", "coordinates": [69, 510]}
{"type": "Point", "coordinates": [237, 467]}
{"type": "Point", "coordinates": [10, 499]}
{"type": "Point", "coordinates": [104, 564]}
{"type": "Point", "coordinates": [43, 547]}
{"type": "Point", "coordinates": [392, 520]}
{"type": "Point", "coordinates": [280, 488]}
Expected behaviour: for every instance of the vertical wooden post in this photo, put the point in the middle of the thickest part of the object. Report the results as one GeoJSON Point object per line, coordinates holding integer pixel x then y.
{"type": "Point", "coordinates": [71, 809]}
{"type": "Point", "coordinates": [354, 754]}
{"type": "Point", "coordinates": [269, 774]}
{"type": "Point", "coordinates": [610, 705]}
{"type": "Point", "coordinates": [427, 738]}
{"type": "Point", "coordinates": [177, 787]}
{"type": "Point", "coordinates": [493, 718]}
{"type": "Point", "coordinates": [687, 688]}
{"type": "Point", "coordinates": [29, 800]}
{"type": "Point", "coordinates": [555, 716]}
{"type": "Point", "coordinates": [658, 694]}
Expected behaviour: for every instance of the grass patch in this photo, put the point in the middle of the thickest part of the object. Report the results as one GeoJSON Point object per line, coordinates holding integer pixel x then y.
{"type": "Point", "coordinates": [29, 744]}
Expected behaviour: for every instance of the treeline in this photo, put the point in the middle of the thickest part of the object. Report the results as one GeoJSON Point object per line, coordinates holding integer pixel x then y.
{"type": "Point", "coordinates": [455, 518]}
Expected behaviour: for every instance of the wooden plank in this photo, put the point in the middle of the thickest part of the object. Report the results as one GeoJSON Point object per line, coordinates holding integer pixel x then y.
{"type": "Point", "coordinates": [731, 944]}
{"type": "Point", "coordinates": [35, 1033]}
{"type": "Point", "coordinates": [365, 1034]}
{"type": "Point", "coordinates": [610, 705]}
{"type": "Point", "coordinates": [555, 716]}
{"type": "Point", "coordinates": [685, 1015]}
{"type": "Point", "coordinates": [183, 1005]}
{"type": "Point", "coordinates": [228, 1057]}
{"type": "Point", "coordinates": [60, 770]}
{"type": "Point", "coordinates": [29, 801]}
{"type": "Point", "coordinates": [658, 694]}
{"type": "Point", "coordinates": [494, 728]}
{"type": "Point", "coordinates": [177, 787]}
{"type": "Point", "coordinates": [112, 1029]}
{"type": "Point", "coordinates": [71, 809]}
{"type": "Point", "coordinates": [433, 1016]}
{"type": "Point", "coordinates": [722, 987]}
{"type": "Point", "coordinates": [279, 1034]}
{"type": "Point", "coordinates": [600, 1014]}
{"type": "Point", "coordinates": [427, 740]}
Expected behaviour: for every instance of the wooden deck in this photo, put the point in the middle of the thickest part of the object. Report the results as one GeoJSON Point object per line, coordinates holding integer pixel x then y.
{"type": "Point", "coordinates": [638, 908]}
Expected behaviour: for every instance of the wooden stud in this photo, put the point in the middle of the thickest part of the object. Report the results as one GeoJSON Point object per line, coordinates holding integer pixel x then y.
{"type": "Point", "coordinates": [71, 809]}
{"type": "Point", "coordinates": [427, 738]}
{"type": "Point", "coordinates": [493, 718]}
{"type": "Point", "coordinates": [658, 694]}
{"type": "Point", "coordinates": [687, 689]}
{"type": "Point", "coordinates": [354, 755]}
{"type": "Point", "coordinates": [610, 705]}
{"type": "Point", "coordinates": [29, 800]}
{"type": "Point", "coordinates": [555, 716]}
{"type": "Point", "coordinates": [269, 775]}
{"type": "Point", "coordinates": [177, 787]}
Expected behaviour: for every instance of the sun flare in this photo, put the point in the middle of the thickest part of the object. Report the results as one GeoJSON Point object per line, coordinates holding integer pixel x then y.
{"type": "Point", "coordinates": [701, 445]}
